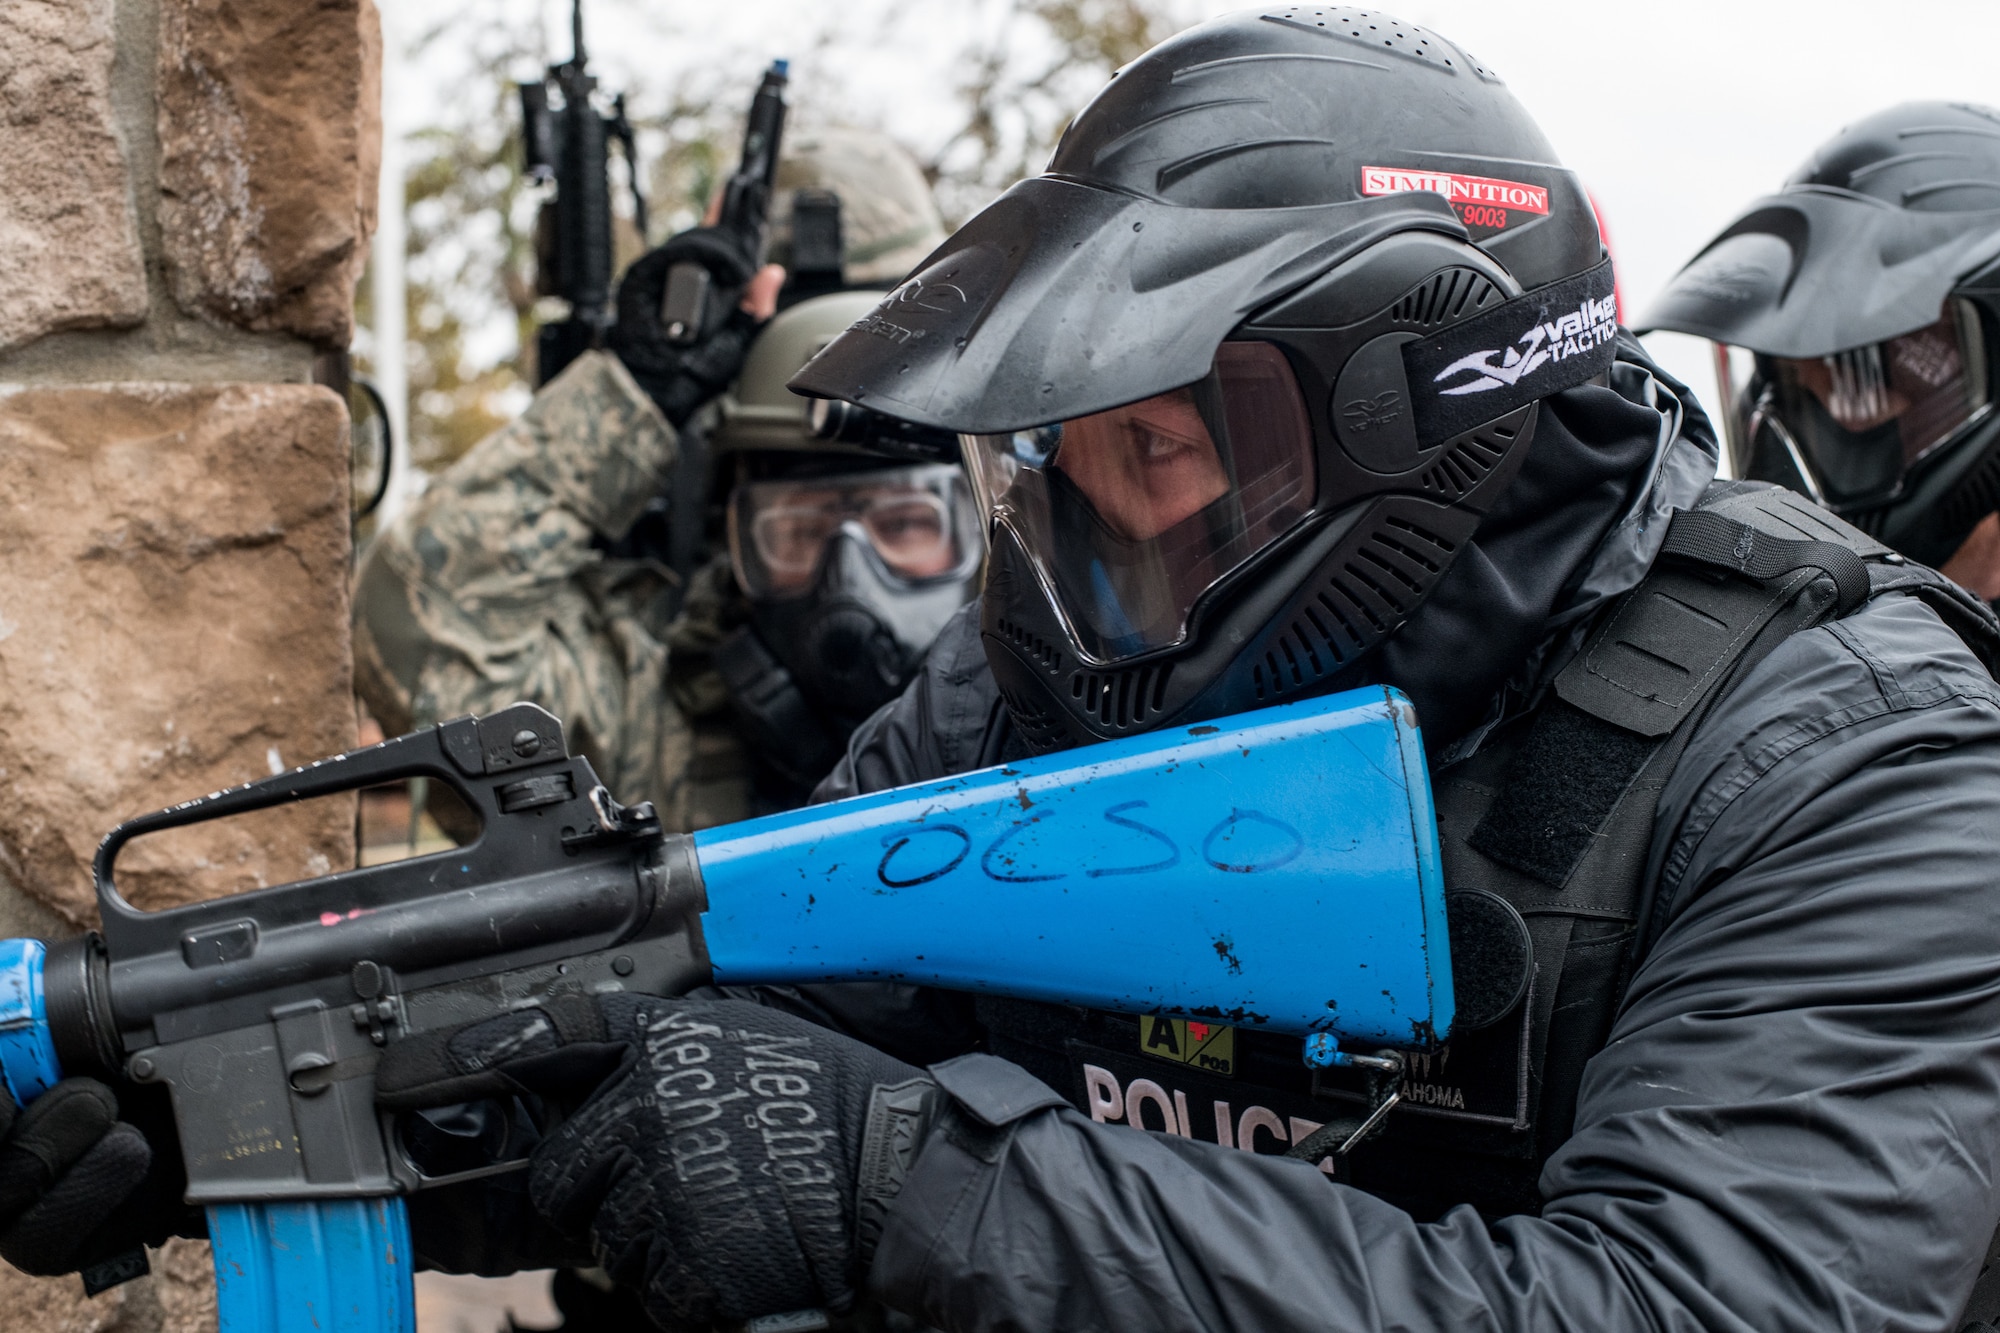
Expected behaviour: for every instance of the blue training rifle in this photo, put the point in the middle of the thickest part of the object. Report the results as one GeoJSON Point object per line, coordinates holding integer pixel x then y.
{"type": "Point", "coordinates": [1278, 869]}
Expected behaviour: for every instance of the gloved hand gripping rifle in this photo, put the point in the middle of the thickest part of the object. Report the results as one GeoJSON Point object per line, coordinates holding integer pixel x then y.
{"type": "Point", "coordinates": [1280, 869]}
{"type": "Point", "coordinates": [690, 306]}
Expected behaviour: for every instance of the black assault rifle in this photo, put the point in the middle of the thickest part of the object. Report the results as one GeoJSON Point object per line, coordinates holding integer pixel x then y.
{"type": "Point", "coordinates": [568, 141]}
{"type": "Point", "coordinates": [1277, 869]}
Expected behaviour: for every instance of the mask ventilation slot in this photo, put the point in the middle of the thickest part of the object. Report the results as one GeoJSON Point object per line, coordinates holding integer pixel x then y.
{"type": "Point", "coordinates": [1037, 728]}
{"type": "Point", "coordinates": [1388, 572]}
{"type": "Point", "coordinates": [1379, 32]}
{"type": "Point", "coordinates": [1034, 645]}
{"type": "Point", "coordinates": [1469, 462]}
{"type": "Point", "coordinates": [1445, 298]}
{"type": "Point", "coordinates": [1122, 699]}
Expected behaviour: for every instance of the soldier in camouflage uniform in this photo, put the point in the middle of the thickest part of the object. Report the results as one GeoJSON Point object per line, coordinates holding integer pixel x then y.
{"type": "Point", "coordinates": [507, 579]}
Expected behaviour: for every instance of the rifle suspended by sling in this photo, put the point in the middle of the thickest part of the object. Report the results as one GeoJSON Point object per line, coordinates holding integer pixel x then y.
{"type": "Point", "coordinates": [566, 141]}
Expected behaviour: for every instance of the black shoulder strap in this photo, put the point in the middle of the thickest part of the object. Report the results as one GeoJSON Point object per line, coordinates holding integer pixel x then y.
{"type": "Point", "coordinates": [1560, 820]}
{"type": "Point", "coordinates": [1752, 565]}
{"type": "Point", "coordinates": [772, 712]}
{"type": "Point", "coordinates": [1785, 513]}
{"type": "Point", "coordinates": [1721, 595]}
{"type": "Point", "coordinates": [1574, 808]}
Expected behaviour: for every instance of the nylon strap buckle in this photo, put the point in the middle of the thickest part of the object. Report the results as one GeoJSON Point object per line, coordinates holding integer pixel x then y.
{"type": "Point", "coordinates": [1708, 538]}
{"type": "Point", "coordinates": [1383, 1074]}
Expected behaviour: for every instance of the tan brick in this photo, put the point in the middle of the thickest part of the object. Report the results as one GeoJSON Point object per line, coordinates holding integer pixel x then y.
{"type": "Point", "coordinates": [270, 143]}
{"type": "Point", "coordinates": [184, 1278]}
{"type": "Point", "coordinates": [69, 241]}
{"type": "Point", "coordinates": [174, 620]}
{"type": "Point", "coordinates": [57, 1305]}
{"type": "Point", "coordinates": [177, 1297]}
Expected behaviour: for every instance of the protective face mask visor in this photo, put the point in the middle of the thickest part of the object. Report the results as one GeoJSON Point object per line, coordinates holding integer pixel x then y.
{"type": "Point", "coordinates": [918, 521]}
{"type": "Point", "coordinates": [1130, 515]}
{"type": "Point", "coordinates": [1854, 424]}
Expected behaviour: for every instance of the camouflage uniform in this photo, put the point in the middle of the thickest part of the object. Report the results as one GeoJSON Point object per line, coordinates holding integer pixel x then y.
{"type": "Point", "coordinates": [490, 589]}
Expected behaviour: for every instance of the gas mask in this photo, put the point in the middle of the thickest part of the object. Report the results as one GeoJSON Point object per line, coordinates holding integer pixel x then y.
{"type": "Point", "coordinates": [850, 576]}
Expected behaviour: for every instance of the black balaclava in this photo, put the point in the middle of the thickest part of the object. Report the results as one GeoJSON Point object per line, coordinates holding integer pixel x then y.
{"type": "Point", "coordinates": [1579, 525]}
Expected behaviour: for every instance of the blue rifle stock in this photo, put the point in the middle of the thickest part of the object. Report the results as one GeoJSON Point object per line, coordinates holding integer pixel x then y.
{"type": "Point", "coordinates": [1278, 869]}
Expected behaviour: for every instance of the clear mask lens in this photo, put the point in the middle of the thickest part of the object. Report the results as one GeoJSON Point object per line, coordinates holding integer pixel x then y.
{"type": "Point", "coordinates": [1131, 514]}
{"type": "Point", "coordinates": [917, 520]}
{"type": "Point", "coordinates": [1854, 423]}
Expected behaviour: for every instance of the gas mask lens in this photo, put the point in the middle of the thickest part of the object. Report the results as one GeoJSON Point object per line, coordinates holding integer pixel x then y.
{"type": "Point", "coordinates": [1854, 423]}
{"type": "Point", "coordinates": [917, 520]}
{"type": "Point", "coordinates": [1130, 515]}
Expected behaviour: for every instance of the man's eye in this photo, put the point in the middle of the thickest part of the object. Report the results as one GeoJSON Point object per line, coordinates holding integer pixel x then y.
{"type": "Point", "coordinates": [1156, 447]}
{"type": "Point", "coordinates": [908, 525]}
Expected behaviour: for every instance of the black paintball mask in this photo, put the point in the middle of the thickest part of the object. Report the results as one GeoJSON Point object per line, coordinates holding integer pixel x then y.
{"type": "Point", "coordinates": [1238, 378]}
{"type": "Point", "coordinates": [850, 570]}
{"type": "Point", "coordinates": [1856, 317]}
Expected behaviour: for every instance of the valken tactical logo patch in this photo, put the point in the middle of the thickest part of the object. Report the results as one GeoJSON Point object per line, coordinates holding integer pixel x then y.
{"type": "Point", "coordinates": [1541, 342]}
{"type": "Point", "coordinates": [1592, 324]}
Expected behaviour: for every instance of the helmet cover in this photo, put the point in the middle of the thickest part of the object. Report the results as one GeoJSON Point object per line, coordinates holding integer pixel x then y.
{"type": "Point", "coordinates": [888, 217]}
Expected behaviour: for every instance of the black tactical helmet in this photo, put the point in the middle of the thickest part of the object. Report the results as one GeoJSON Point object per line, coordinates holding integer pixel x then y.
{"type": "Point", "coordinates": [1323, 266]}
{"type": "Point", "coordinates": [1868, 290]}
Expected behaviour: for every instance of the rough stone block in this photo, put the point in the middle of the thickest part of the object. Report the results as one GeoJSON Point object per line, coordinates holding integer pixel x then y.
{"type": "Point", "coordinates": [184, 1285]}
{"type": "Point", "coordinates": [69, 240]}
{"type": "Point", "coordinates": [174, 620]}
{"type": "Point", "coordinates": [56, 1305]}
{"type": "Point", "coordinates": [177, 1297]}
{"type": "Point", "coordinates": [270, 143]}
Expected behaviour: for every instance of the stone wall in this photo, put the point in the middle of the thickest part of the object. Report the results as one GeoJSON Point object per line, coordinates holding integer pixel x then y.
{"type": "Point", "coordinates": [188, 204]}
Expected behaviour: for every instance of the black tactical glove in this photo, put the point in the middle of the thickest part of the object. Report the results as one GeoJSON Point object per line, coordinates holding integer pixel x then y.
{"type": "Point", "coordinates": [681, 378]}
{"type": "Point", "coordinates": [489, 1225]}
{"type": "Point", "coordinates": [730, 1162]}
{"type": "Point", "coordinates": [84, 1181]}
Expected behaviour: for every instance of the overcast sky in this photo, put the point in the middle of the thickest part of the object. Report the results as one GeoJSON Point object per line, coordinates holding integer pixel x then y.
{"type": "Point", "coordinates": [1675, 114]}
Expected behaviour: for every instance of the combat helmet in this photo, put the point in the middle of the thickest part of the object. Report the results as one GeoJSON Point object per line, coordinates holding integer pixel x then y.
{"type": "Point", "coordinates": [850, 208]}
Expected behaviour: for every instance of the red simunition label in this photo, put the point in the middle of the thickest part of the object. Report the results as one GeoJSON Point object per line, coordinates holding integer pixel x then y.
{"type": "Point", "coordinates": [1457, 189]}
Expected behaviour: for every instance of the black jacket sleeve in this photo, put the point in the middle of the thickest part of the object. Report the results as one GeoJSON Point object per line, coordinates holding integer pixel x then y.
{"type": "Point", "coordinates": [1795, 1125]}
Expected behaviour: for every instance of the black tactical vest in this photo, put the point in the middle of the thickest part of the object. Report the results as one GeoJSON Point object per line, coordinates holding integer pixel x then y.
{"type": "Point", "coordinates": [1546, 835]}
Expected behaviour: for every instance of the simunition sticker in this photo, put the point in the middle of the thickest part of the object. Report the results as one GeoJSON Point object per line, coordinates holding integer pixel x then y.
{"type": "Point", "coordinates": [1206, 1046]}
{"type": "Point", "coordinates": [1481, 202]}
